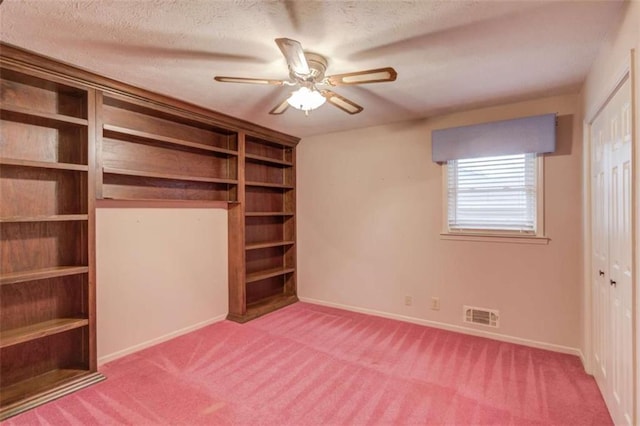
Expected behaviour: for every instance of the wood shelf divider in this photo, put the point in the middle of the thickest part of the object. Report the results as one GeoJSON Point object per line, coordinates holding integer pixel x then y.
{"type": "Point", "coordinates": [39, 118]}
{"type": "Point", "coordinates": [169, 176]}
{"type": "Point", "coordinates": [151, 137]}
{"type": "Point", "coordinates": [41, 274]}
{"type": "Point", "coordinates": [256, 246]}
{"type": "Point", "coordinates": [37, 331]}
{"type": "Point", "coordinates": [43, 164]}
{"type": "Point", "coordinates": [269, 185]}
{"type": "Point", "coordinates": [268, 273]}
{"type": "Point", "coordinates": [264, 306]}
{"type": "Point", "coordinates": [52, 218]}
{"type": "Point", "coordinates": [268, 160]}
{"type": "Point", "coordinates": [267, 214]}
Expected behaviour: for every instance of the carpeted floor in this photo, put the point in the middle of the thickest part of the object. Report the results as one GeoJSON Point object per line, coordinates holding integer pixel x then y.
{"type": "Point", "coordinates": [311, 365]}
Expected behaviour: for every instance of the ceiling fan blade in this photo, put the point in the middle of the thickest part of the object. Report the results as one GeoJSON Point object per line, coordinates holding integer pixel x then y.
{"type": "Point", "coordinates": [293, 53]}
{"type": "Point", "coordinates": [249, 80]}
{"type": "Point", "coordinates": [341, 102]}
{"type": "Point", "coordinates": [280, 108]}
{"type": "Point", "coordinates": [379, 75]}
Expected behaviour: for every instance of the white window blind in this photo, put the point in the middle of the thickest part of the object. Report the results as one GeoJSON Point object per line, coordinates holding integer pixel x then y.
{"type": "Point", "coordinates": [492, 193]}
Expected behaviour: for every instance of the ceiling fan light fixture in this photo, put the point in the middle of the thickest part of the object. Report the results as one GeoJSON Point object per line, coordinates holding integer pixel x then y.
{"type": "Point", "coordinates": [306, 99]}
{"type": "Point", "coordinates": [306, 70]}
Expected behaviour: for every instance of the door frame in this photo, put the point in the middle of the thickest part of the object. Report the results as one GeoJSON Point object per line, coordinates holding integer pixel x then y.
{"type": "Point", "coordinates": [626, 70]}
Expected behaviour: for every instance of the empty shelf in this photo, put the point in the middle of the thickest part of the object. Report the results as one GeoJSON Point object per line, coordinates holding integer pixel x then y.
{"type": "Point", "coordinates": [52, 218]}
{"type": "Point", "coordinates": [44, 164]}
{"type": "Point", "coordinates": [170, 176]}
{"type": "Point", "coordinates": [267, 160]}
{"type": "Point", "coordinates": [269, 273]}
{"type": "Point", "coordinates": [40, 274]}
{"type": "Point", "coordinates": [151, 137]}
{"type": "Point", "coordinates": [39, 118]}
{"type": "Point", "coordinates": [39, 330]}
{"type": "Point", "coordinates": [268, 244]}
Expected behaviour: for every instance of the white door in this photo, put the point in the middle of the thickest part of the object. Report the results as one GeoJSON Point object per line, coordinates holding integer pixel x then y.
{"type": "Point", "coordinates": [600, 250]}
{"type": "Point", "coordinates": [612, 254]}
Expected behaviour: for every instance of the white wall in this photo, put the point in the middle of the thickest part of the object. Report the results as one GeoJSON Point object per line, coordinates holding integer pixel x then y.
{"type": "Point", "coordinates": [369, 223]}
{"type": "Point", "coordinates": [161, 272]}
{"type": "Point", "coordinates": [602, 77]}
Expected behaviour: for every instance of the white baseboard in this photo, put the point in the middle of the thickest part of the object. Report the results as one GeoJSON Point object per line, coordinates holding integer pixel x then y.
{"type": "Point", "coordinates": [135, 348]}
{"type": "Point", "coordinates": [450, 327]}
{"type": "Point", "coordinates": [585, 364]}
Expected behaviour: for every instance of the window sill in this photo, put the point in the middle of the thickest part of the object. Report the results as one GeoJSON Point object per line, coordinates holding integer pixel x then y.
{"type": "Point", "coordinates": [489, 238]}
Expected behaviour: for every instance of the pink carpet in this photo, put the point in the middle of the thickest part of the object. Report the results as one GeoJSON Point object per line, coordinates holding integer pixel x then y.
{"type": "Point", "coordinates": [310, 365]}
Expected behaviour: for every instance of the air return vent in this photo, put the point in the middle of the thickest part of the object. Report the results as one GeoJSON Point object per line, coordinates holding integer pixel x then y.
{"type": "Point", "coordinates": [482, 316]}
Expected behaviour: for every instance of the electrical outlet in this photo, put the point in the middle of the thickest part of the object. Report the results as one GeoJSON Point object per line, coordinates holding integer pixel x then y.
{"type": "Point", "coordinates": [435, 303]}
{"type": "Point", "coordinates": [408, 300]}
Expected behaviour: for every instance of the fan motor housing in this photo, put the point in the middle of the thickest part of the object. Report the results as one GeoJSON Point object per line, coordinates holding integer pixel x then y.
{"type": "Point", "coordinates": [317, 66]}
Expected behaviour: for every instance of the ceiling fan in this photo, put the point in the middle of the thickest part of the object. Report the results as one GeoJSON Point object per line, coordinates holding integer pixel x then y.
{"type": "Point", "coordinates": [306, 71]}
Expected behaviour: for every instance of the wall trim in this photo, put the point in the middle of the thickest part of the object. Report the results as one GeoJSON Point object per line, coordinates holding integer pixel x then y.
{"type": "Point", "coordinates": [155, 341]}
{"type": "Point", "coordinates": [584, 362]}
{"type": "Point", "coordinates": [587, 302]}
{"type": "Point", "coordinates": [623, 72]}
{"type": "Point", "coordinates": [450, 327]}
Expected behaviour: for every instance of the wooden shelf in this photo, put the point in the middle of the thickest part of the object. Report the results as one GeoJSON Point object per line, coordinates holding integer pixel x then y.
{"type": "Point", "coordinates": [269, 185]}
{"type": "Point", "coordinates": [161, 203]}
{"type": "Point", "coordinates": [268, 273]}
{"type": "Point", "coordinates": [267, 160]}
{"type": "Point", "coordinates": [40, 274]}
{"type": "Point", "coordinates": [169, 176]}
{"type": "Point", "coordinates": [43, 164]}
{"type": "Point", "coordinates": [265, 214]}
{"type": "Point", "coordinates": [151, 137]}
{"type": "Point", "coordinates": [263, 306]}
{"type": "Point", "coordinates": [53, 218]}
{"type": "Point", "coordinates": [256, 246]}
{"type": "Point", "coordinates": [29, 393]}
{"type": "Point", "coordinates": [47, 119]}
{"type": "Point", "coordinates": [39, 330]}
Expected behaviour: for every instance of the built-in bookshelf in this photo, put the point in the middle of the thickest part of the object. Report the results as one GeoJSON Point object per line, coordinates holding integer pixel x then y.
{"type": "Point", "coordinates": [47, 293]}
{"type": "Point", "coordinates": [68, 138]}
{"type": "Point", "coordinates": [263, 257]}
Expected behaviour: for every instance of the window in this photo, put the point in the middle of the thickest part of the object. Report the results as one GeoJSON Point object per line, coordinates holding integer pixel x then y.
{"type": "Point", "coordinates": [495, 195]}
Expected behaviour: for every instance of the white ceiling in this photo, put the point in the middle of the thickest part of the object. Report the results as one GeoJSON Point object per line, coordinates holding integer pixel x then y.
{"type": "Point", "coordinates": [448, 54]}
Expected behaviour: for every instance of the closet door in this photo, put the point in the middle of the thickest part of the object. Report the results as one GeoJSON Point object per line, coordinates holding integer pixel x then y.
{"type": "Point", "coordinates": [620, 250]}
{"type": "Point", "coordinates": [612, 254]}
{"type": "Point", "coordinates": [600, 252]}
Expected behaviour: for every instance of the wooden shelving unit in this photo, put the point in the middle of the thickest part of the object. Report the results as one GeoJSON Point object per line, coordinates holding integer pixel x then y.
{"type": "Point", "coordinates": [149, 151]}
{"type": "Point", "coordinates": [262, 269]}
{"type": "Point", "coordinates": [69, 137]}
{"type": "Point", "coordinates": [47, 276]}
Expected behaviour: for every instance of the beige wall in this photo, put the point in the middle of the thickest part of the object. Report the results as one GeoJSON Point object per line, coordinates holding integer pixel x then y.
{"type": "Point", "coordinates": [161, 272]}
{"type": "Point", "coordinates": [369, 223]}
{"type": "Point", "coordinates": [607, 69]}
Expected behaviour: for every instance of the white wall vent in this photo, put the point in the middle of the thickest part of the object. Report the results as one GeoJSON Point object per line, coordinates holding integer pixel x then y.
{"type": "Point", "coordinates": [482, 316]}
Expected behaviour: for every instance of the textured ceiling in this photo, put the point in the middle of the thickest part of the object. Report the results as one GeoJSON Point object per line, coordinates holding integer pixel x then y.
{"type": "Point", "coordinates": [449, 54]}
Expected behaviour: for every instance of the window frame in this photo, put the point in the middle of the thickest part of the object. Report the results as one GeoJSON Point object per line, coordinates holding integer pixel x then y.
{"type": "Point", "coordinates": [497, 235]}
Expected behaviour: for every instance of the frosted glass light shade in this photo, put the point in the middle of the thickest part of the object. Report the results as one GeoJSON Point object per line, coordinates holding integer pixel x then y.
{"type": "Point", "coordinates": [306, 99]}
